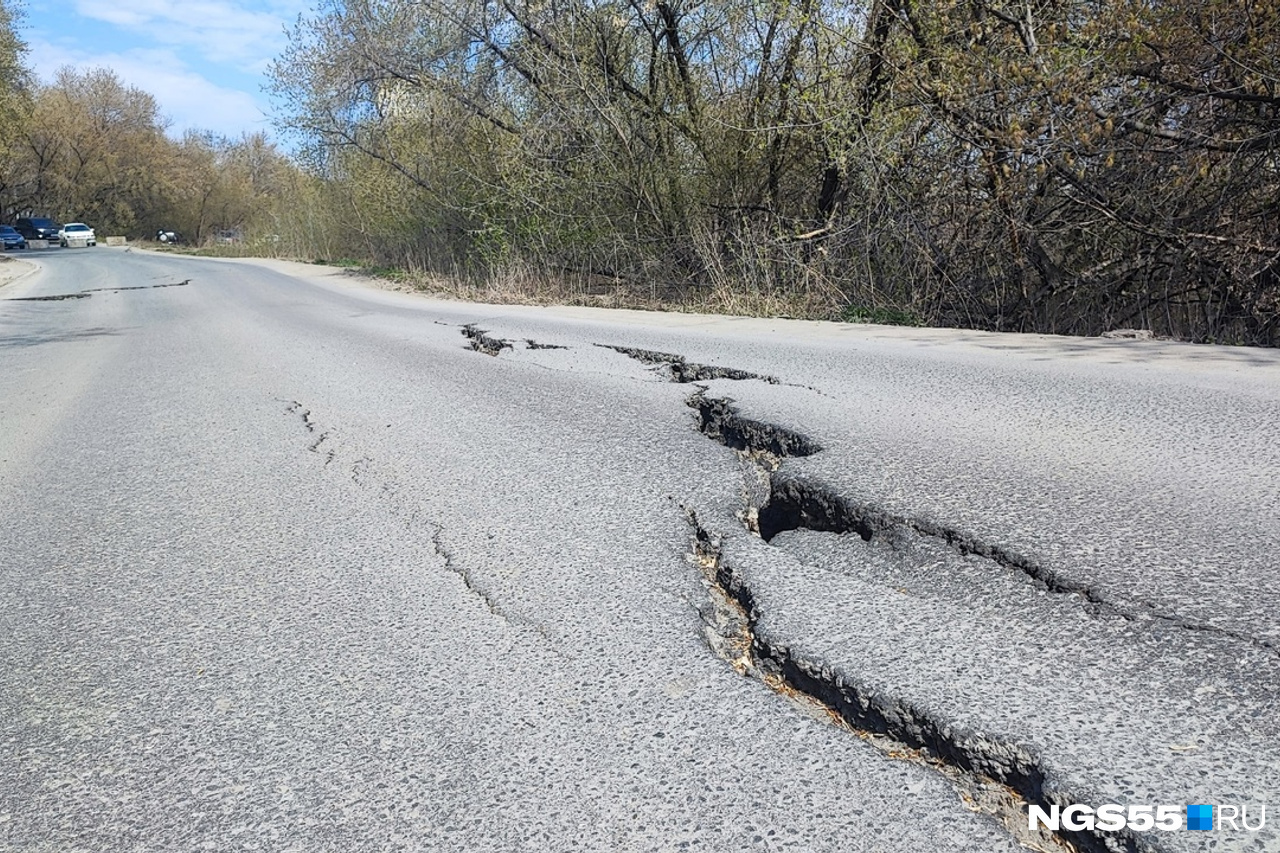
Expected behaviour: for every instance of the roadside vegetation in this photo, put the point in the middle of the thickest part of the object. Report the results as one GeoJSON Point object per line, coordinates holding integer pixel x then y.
{"type": "Point", "coordinates": [89, 148]}
{"type": "Point", "coordinates": [1064, 166]}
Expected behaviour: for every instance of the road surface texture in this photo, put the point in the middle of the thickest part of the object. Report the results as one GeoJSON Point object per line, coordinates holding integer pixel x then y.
{"type": "Point", "coordinates": [288, 563]}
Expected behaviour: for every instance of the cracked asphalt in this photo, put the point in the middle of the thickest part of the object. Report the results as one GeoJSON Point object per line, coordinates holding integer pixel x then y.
{"type": "Point", "coordinates": [287, 563]}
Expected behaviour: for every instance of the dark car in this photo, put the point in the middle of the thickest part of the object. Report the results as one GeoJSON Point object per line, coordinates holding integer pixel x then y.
{"type": "Point", "coordinates": [11, 239]}
{"type": "Point", "coordinates": [34, 228]}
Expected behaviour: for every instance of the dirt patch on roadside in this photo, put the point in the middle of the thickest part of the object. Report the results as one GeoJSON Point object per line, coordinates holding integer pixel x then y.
{"type": "Point", "coordinates": [12, 269]}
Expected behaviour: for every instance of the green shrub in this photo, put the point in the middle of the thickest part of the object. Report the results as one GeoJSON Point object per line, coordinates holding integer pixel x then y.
{"type": "Point", "coordinates": [883, 315]}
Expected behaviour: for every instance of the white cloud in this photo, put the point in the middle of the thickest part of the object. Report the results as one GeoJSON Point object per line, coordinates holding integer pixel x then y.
{"type": "Point", "coordinates": [189, 100]}
{"type": "Point", "coordinates": [218, 30]}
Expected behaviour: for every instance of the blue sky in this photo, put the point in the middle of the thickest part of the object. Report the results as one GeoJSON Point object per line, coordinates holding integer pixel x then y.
{"type": "Point", "coordinates": [203, 60]}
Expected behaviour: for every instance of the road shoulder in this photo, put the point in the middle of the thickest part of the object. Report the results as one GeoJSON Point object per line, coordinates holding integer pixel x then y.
{"type": "Point", "coordinates": [13, 269]}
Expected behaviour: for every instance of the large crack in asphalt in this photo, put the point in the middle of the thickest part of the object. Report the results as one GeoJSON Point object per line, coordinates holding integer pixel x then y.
{"type": "Point", "coordinates": [85, 294]}
{"type": "Point", "coordinates": [57, 297]}
{"type": "Point", "coordinates": [995, 776]}
{"type": "Point", "coordinates": [681, 370]}
{"type": "Point", "coordinates": [481, 341]}
{"type": "Point", "coordinates": [182, 283]}
{"type": "Point", "coordinates": [796, 502]}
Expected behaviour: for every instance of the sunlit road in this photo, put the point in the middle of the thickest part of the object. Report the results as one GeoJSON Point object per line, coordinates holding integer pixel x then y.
{"type": "Point", "coordinates": [289, 563]}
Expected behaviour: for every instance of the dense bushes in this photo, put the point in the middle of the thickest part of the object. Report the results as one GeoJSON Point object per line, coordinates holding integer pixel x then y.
{"type": "Point", "coordinates": [1054, 165]}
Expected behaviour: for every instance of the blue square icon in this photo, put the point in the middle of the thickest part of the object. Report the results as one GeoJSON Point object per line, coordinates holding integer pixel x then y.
{"type": "Point", "coordinates": [1200, 817]}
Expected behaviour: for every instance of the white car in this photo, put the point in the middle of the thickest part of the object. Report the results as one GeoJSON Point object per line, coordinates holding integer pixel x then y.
{"type": "Point", "coordinates": [76, 231]}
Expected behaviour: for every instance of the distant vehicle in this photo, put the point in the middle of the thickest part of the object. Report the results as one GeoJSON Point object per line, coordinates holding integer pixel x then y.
{"type": "Point", "coordinates": [36, 228]}
{"type": "Point", "coordinates": [76, 231]}
{"type": "Point", "coordinates": [163, 236]}
{"type": "Point", "coordinates": [11, 239]}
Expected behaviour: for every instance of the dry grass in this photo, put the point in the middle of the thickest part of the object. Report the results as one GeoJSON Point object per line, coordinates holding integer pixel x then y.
{"type": "Point", "coordinates": [523, 287]}
{"type": "Point", "coordinates": [518, 284]}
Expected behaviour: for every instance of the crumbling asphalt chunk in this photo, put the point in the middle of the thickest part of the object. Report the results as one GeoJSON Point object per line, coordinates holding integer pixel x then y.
{"type": "Point", "coordinates": [720, 421]}
{"type": "Point", "coordinates": [799, 503]}
{"type": "Point", "coordinates": [482, 341]}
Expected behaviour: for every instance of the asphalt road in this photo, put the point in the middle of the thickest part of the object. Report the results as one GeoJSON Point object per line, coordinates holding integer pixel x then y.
{"type": "Point", "coordinates": [290, 563]}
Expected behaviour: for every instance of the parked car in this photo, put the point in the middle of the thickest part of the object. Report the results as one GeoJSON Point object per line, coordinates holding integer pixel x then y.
{"type": "Point", "coordinates": [76, 231]}
{"type": "Point", "coordinates": [36, 228]}
{"type": "Point", "coordinates": [11, 239]}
